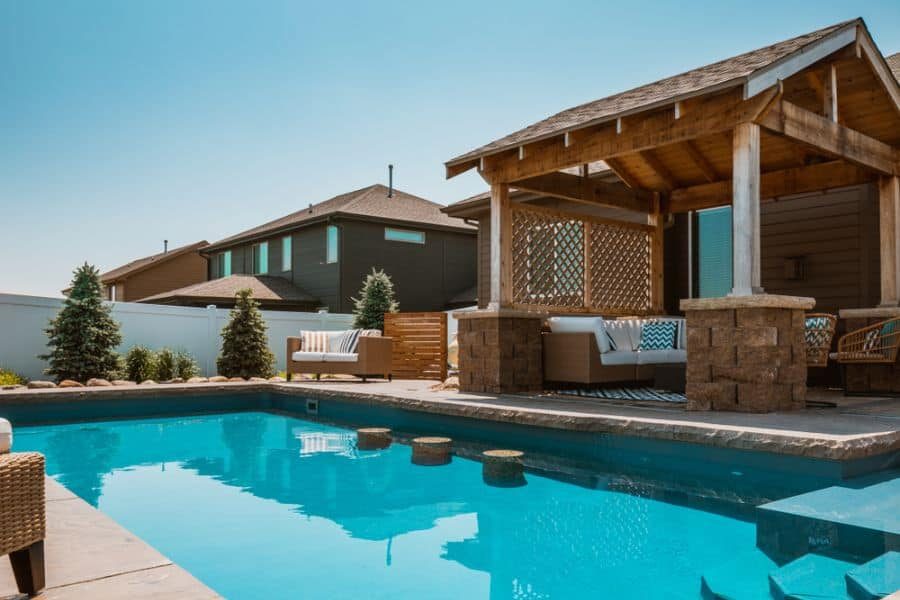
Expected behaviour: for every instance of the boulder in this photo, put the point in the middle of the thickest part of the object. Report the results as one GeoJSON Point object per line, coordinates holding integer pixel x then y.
{"type": "Point", "coordinates": [69, 383]}
{"type": "Point", "coordinates": [98, 382]}
{"type": "Point", "coordinates": [236, 379]}
{"type": "Point", "coordinates": [451, 383]}
{"type": "Point", "coordinates": [277, 379]}
{"type": "Point", "coordinates": [197, 380]}
{"type": "Point", "coordinates": [258, 379]}
{"type": "Point", "coordinates": [148, 382]}
{"type": "Point", "coordinates": [122, 382]}
{"type": "Point", "coordinates": [40, 385]}
{"type": "Point", "coordinates": [173, 380]}
{"type": "Point", "coordinates": [218, 379]}
{"type": "Point", "coordinates": [16, 386]}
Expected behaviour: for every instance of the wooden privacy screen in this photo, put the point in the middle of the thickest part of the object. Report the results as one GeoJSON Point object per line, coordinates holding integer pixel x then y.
{"type": "Point", "coordinates": [576, 263]}
{"type": "Point", "coordinates": [420, 344]}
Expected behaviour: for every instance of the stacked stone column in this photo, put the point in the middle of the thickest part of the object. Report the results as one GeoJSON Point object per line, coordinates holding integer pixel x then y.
{"type": "Point", "coordinates": [746, 354]}
{"type": "Point", "coordinates": [499, 352]}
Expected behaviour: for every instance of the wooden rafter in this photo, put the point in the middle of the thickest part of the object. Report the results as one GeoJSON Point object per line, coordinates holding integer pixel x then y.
{"type": "Point", "coordinates": [806, 127]}
{"type": "Point", "coordinates": [700, 161]}
{"type": "Point", "coordinates": [623, 173]}
{"type": "Point", "coordinates": [587, 191]}
{"type": "Point", "coordinates": [715, 114]}
{"type": "Point", "coordinates": [661, 171]}
{"type": "Point", "coordinates": [774, 184]}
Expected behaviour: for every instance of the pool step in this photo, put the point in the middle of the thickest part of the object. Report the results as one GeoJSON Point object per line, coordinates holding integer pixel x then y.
{"type": "Point", "coordinates": [813, 576]}
{"type": "Point", "coordinates": [877, 578]}
{"type": "Point", "coordinates": [741, 578]}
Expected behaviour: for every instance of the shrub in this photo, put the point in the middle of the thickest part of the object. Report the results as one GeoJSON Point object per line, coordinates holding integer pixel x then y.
{"type": "Point", "coordinates": [8, 377]}
{"type": "Point", "coordinates": [140, 364]}
{"type": "Point", "coordinates": [245, 345]}
{"type": "Point", "coordinates": [185, 365]}
{"type": "Point", "coordinates": [82, 338]}
{"type": "Point", "coordinates": [375, 298]}
{"type": "Point", "coordinates": [165, 365]}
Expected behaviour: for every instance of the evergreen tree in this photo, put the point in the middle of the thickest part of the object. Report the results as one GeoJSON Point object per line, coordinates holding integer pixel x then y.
{"type": "Point", "coordinates": [376, 298]}
{"type": "Point", "coordinates": [83, 336]}
{"type": "Point", "coordinates": [245, 345]}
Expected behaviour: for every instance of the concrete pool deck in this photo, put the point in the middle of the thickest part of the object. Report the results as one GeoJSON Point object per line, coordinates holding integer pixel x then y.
{"type": "Point", "coordinates": [858, 427]}
{"type": "Point", "coordinates": [90, 556]}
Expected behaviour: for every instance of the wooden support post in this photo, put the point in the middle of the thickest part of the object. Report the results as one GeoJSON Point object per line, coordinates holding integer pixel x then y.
{"type": "Point", "coordinates": [745, 211]}
{"type": "Point", "coordinates": [889, 226]}
{"type": "Point", "coordinates": [588, 300]}
{"type": "Point", "coordinates": [830, 93]}
{"type": "Point", "coordinates": [656, 220]}
{"type": "Point", "coordinates": [501, 247]}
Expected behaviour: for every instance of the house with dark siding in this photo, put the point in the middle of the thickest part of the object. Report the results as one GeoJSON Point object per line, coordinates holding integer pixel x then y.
{"type": "Point", "coordinates": [317, 257]}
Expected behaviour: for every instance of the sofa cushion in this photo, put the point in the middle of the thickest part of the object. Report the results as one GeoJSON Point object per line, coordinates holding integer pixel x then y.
{"type": "Point", "coordinates": [340, 357]}
{"type": "Point", "coordinates": [349, 341]}
{"type": "Point", "coordinates": [658, 335]}
{"type": "Point", "coordinates": [619, 357]}
{"type": "Point", "coordinates": [620, 334]}
{"type": "Point", "coordinates": [314, 341]}
{"type": "Point", "coordinates": [5, 436]}
{"type": "Point", "coordinates": [658, 357]}
{"type": "Point", "coordinates": [304, 356]}
{"type": "Point", "coordinates": [582, 325]}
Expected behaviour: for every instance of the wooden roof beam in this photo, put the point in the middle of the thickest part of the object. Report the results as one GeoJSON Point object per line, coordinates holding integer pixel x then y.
{"type": "Point", "coordinates": [799, 180]}
{"type": "Point", "coordinates": [806, 127]}
{"type": "Point", "coordinates": [623, 173]}
{"type": "Point", "coordinates": [865, 48]}
{"type": "Point", "coordinates": [586, 191]}
{"type": "Point", "coordinates": [714, 114]}
{"type": "Point", "coordinates": [454, 170]}
{"type": "Point", "coordinates": [700, 161]}
{"type": "Point", "coordinates": [661, 170]}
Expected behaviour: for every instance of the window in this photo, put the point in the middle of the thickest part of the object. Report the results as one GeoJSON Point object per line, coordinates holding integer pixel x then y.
{"type": "Point", "coordinates": [261, 258]}
{"type": "Point", "coordinates": [714, 252]}
{"type": "Point", "coordinates": [224, 267]}
{"type": "Point", "coordinates": [286, 253]}
{"type": "Point", "coordinates": [331, 244]}
{"type": "Point", "coordinates": [404, 235]}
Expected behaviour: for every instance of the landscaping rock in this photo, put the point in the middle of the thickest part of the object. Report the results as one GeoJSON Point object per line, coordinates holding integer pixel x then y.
{"type": "Point", "coordinates": [69, 383]}
{"type": "Point", "coordinates": [236, 379]}
{"type": "Point", "coordinates": [40, 385]}
{"type": "Point", "coordinates": [122, 382]}
{"type": "Point", "coordinates": [174, 380]}
{"type": "Point", "coordinates": [197, 380]}
{"type": "Point", "coordinates": [451, 383]}
{"type": "Point", "coordinates": [218, 379]}
{"type": "Point", "coordinates": [97, 382]}
{"type": "Point", "coordinates": [148, 382]}
{"type": "Point", "coordinates": [12, 387]}
{"type": "Point", "coordinates": [258, 379]}
{"type": "Point", "coordinates": [277, 379]}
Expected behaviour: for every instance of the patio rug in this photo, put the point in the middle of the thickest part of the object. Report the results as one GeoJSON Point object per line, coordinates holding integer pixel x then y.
{"type": "Point", "coordinates": [631, 393]}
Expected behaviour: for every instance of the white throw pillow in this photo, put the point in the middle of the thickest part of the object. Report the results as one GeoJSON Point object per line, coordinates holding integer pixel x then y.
{"type": "Point", "coordinates": [5, 436]}
{"type": "Point", "coordinates": [582, 325]}
{"type": "Point", "coordinates": [620, 334]}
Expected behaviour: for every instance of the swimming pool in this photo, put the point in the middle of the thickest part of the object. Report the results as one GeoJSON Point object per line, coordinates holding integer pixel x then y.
{"type": "Point", "coordinates": [262, 505]}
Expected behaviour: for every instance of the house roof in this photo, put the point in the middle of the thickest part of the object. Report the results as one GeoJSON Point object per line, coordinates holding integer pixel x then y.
{"type": "Point", "coordinates": [893, 62]}
{"type": "Point", "coordinates": [369, 202]}
{"type": "Point", "coordinates": [720, 75]}
{"type": "Point", "coordinates": [140, 264]}
{"type": "Point", "coordinates": [265, 288]}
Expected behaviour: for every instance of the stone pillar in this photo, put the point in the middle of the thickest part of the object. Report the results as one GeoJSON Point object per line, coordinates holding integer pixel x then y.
{"type": "Point", "coordinates": [861, 378]}
{"type": "Point", "coordinates": [499, 351]}
{"type": "Point", "coordinates": [746, 353]}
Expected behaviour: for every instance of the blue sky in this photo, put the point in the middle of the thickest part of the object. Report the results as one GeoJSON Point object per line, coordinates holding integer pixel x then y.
{"type": "Point", "coordinates": [126, 123]}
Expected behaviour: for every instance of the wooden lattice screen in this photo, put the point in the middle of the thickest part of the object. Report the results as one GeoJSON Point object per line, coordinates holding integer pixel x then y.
{"type": "Point", "coordinates": [420, 344]}
{"type": "Point", "coordinates": [576, 263]}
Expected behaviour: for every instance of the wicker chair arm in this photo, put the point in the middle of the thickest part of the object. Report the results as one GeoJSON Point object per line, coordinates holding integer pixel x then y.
{"type": "Point", "coordinates": [22, 514]}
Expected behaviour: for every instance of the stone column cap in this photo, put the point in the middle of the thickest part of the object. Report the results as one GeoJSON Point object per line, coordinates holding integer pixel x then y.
{"type": "Point", "coordinates": [752, 301]}
{"type": "Point", "coordinates": [494, 313]}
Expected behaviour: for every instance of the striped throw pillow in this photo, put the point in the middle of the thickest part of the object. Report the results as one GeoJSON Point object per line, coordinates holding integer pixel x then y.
{"type": "Point", "coordinates": [314, 341]}
{"type": "Point", "coordinates": [350, 341]}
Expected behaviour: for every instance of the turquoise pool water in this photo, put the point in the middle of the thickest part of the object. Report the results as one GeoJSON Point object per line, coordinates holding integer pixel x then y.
{"type": "Point", "coordinates": [262, 505]}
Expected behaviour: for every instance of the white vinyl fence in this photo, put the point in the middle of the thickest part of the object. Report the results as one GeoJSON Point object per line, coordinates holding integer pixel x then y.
{"type": "Point", "coordinates": [196, 330]}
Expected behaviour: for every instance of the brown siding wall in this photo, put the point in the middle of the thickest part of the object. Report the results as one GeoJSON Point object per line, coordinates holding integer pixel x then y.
{"type": "Point", "coordinates": [172, 274]}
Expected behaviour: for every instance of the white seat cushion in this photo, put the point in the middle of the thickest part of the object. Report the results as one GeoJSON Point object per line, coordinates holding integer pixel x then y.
{"type": "Point", "coordinates": [620, 332]}
{"type": "Point", "coordinates": [619, 357]}
{"type": "Point", "coordinates": [581, 325]}
{"type": "Point", "coordinates": [658, 357]}
{"type": "Point", "coordinates": [340, 357]}
{"type": "Point", "coordinates": [308, 356]}
{"type": "Point", "coordinates": [5, 436]}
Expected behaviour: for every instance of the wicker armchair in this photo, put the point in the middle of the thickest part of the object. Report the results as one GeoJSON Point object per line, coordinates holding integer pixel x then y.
{"type": "Point", "coordinates": [875, 344]}
{"type": "Point", "coordinates": [22, 517]}
{"type": "Point", "coordinates": [819, 333]}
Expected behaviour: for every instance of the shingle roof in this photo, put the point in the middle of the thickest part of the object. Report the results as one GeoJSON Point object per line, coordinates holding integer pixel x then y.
{"type": "Point", "coordinates": [893, 62]}
{"type": "Point", "coordinates": [686, 84]}
{"type": "Point", "coordinates": [149, 261]}
{"type": "Point", "coordinates": [264, 287]}
{"type": "Point", "coordinates": [369, 201]}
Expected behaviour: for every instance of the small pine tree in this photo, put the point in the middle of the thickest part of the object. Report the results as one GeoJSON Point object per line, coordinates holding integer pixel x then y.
{"type": "Point", "coordinates": [375, 298]}
{"type": "Point", "coordinates": [83, 336]}
{"type": "Point", "coordinates": [245, 345]}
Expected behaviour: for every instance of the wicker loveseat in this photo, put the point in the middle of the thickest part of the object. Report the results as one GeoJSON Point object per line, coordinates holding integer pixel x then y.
{"type": "Point", "coordinates": [362, 353]}
{"type": "Point", "coordinates": [22, 515]}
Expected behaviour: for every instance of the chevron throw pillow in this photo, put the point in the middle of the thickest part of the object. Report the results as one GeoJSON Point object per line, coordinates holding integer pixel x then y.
{"type": "Point", "coordinates": [658, 335]}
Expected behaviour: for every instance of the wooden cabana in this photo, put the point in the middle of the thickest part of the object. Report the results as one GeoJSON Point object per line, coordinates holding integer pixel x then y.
{"type": "Point", "coordinates": [815, 112]}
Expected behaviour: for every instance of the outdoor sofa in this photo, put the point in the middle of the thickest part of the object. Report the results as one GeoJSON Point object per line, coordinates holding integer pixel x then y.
{"type": "Point", "coordinates": [360, 352]}
{"type": "Point", "coordinates": [596, 350]}
{"type": "Point", "coordinates": [22, 513]}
